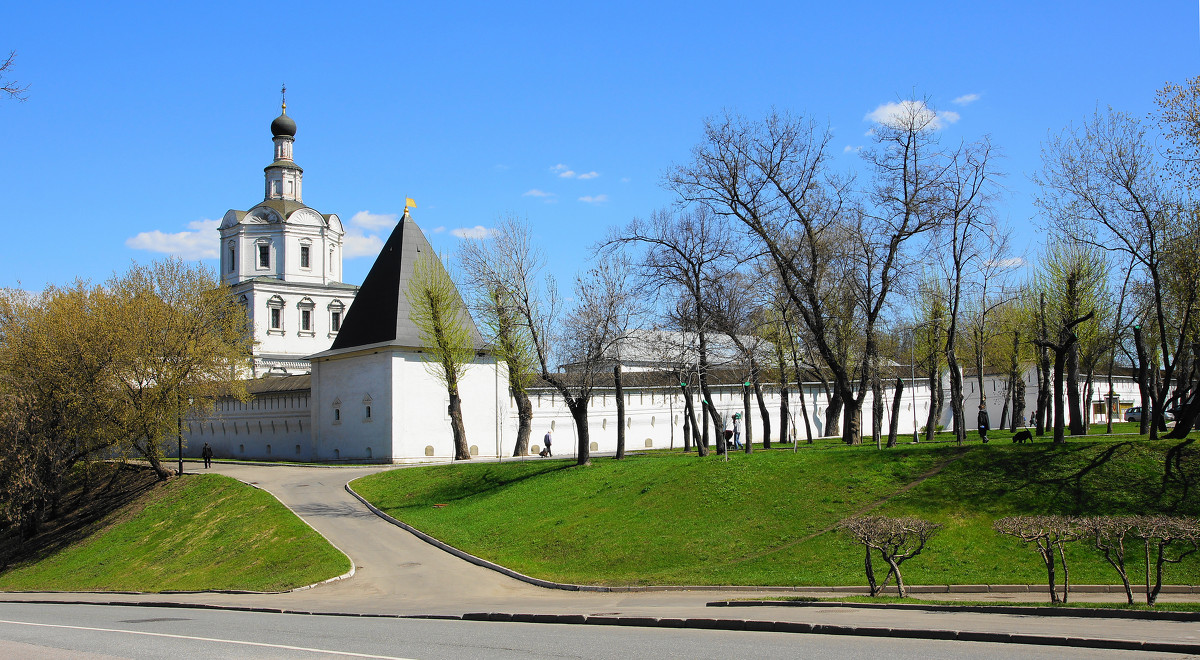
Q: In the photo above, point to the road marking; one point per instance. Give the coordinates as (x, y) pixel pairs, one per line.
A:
(205, 639)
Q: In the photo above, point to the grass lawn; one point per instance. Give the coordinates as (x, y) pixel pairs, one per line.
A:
(1161, 606)
(767, 519)
(191, 533)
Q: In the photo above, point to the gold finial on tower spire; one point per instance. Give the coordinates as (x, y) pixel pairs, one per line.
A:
(283, 96)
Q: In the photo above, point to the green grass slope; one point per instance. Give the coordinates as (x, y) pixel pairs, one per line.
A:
(192, 533)
(768, 518)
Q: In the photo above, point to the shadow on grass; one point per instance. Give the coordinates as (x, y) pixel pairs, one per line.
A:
(1079, 478)
(84, 507)
(386, 489)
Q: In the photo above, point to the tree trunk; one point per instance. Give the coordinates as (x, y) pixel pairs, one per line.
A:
(896, 401)
(619, 392)
(784, 411)
(877, 403)
(804, 412)
(1018, 383)
(1142, 380)
(524, 419)
(833, 414)
(690, 409)
(1072, 373)
(852, 419)
(461, 451)
(579, 413)
(1042, 414)
(748, 440)
(1060, 359)
(763, 413)
(936, 400)
(956, 398)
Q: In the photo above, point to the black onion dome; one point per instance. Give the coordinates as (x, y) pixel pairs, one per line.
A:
(283, 125)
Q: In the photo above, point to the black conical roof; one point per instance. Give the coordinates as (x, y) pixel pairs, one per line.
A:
(380, 311)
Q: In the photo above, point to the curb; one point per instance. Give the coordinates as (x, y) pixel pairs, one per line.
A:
(346, 575)
(472, 558)
(828, 629)
(1027, 610)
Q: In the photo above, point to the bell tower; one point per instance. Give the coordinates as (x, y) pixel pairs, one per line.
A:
(283, 175)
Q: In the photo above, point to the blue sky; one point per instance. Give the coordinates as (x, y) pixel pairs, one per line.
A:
(154, 117)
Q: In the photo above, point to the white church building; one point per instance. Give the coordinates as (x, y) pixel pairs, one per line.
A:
(283, 261)
(339, 374)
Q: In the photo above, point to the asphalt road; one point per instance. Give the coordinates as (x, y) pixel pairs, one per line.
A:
(62, 632)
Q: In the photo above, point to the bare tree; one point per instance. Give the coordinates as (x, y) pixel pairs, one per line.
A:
(1050, 535)
(1108, 534)
(13, 88)
(1160, 536)
(895, 539)
(1103, 184)
(968, 239)
(685, 255)
(596, 324)
(494, 302)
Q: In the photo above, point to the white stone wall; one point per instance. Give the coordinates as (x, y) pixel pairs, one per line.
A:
(272, 426)
(342, 391)
(409, 421)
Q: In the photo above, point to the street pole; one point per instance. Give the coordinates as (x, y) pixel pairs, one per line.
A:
(179, 437)
(912, 365)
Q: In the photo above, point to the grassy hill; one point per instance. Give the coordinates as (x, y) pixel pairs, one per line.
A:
(191, 533)
(768, 518)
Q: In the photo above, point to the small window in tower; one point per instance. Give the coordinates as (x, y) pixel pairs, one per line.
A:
(336, 321)
(264, 256)
(305, 319)
(304, 256)
(368, 412)
(276, 319)
(232, 259)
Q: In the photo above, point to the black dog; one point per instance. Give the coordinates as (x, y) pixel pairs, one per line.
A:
(1023, 436)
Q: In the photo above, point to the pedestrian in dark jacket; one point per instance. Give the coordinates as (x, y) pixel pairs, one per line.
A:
(207, 454)
(985, 422)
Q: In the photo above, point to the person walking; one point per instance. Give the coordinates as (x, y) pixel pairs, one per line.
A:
(737, 430)
(207, 454)
(547, 441)
(984, 421)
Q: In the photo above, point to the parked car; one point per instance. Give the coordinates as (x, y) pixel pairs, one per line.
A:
(1134, 414)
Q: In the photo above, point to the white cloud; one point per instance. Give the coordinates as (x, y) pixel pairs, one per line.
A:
(624, 179)
(478, 231)
(597, 199)
(438, 230)
(899, 114)
(851, 150)
(966, 99)
(1011, 262)
(199, 243)
(357, 244)
(536, 193)
(374, 221)
(589, 175)
(566, 174)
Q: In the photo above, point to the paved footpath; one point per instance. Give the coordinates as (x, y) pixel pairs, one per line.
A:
(396, 573)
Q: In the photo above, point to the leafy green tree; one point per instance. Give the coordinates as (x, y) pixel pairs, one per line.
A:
(445, 330)
(89, 372)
